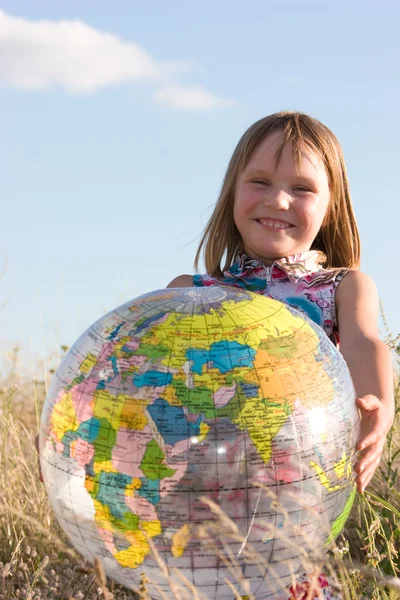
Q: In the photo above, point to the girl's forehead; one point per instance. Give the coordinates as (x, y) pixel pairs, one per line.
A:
(273, 152)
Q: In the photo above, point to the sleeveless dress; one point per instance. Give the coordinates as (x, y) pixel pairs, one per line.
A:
(299, 281)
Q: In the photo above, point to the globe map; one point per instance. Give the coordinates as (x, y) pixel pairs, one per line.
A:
(189, 393)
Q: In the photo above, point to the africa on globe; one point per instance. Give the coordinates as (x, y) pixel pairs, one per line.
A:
(189, 393)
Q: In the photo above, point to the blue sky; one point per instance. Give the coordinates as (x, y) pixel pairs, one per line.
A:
(118, 120)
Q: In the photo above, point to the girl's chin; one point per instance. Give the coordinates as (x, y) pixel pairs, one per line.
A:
(274, 251)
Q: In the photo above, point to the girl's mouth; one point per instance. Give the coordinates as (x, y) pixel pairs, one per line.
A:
(274, 223)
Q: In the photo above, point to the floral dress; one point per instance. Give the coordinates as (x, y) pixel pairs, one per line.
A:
(301, 282)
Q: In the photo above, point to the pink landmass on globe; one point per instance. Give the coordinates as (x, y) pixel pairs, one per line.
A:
(141, 507)
(178, 448)
(82, 451)
(132, 345)
(82, 395)
(168, 483)
(224, 394)
(107, 537)
(129, 450)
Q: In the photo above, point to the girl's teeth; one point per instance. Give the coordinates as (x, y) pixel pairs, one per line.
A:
(274, 224)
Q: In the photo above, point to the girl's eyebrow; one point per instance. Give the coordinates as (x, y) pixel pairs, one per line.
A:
(259, 173)
(297, 177)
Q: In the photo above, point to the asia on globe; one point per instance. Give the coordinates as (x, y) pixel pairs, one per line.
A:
(186, 394)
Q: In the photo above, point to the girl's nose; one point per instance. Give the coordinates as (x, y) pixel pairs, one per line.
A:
(277, 199)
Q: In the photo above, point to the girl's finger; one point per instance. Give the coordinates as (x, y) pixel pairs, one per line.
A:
(369, 402)
(378, 437)
(360, 483)
(374, 458)
(368, 475)
(372, 438)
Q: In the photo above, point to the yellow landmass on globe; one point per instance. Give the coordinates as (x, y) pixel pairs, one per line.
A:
(340, 470)
(131, 487)
(262, 424)
(117, 349)
(180, 540)
(106, 466)
(213, 379)
(133, 415)
(107, 406)
(169, 394)
(63, 418)
(324, 478)
(246, 323)
(204, 429)
(340, 466)
(103, 516)
(205, 329)
(88, 363)
(89, 484)
(152, 528)
(134, 556)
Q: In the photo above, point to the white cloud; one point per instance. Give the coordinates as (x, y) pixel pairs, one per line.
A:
(35, 55)
(193, 97)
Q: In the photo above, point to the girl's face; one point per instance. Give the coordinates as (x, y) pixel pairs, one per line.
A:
(279, 210)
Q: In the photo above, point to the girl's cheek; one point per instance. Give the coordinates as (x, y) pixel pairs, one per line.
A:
(251, 198)
(312, 206)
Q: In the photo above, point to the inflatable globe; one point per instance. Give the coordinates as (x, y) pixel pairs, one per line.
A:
(187, 402)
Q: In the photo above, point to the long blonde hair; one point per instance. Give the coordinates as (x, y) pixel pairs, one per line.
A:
(338, 239)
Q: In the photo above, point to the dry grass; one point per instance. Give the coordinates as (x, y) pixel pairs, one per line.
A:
(36, 562)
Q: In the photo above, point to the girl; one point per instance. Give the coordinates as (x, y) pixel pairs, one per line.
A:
(284, 226)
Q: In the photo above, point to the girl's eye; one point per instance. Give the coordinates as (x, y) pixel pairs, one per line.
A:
(260, 182)
(301, 188)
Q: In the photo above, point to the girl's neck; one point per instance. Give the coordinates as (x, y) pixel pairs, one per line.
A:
(270, 260)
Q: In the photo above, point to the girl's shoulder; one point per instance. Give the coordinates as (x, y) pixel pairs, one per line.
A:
(181, 281)
(357, 304)
(356, 284)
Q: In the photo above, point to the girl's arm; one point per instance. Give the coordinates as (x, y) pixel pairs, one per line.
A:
(370, 365)
(181, 281)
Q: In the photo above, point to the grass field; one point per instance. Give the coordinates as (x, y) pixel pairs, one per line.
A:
(35, 561)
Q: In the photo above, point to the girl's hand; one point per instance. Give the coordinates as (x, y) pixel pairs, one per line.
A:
(375, 424)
